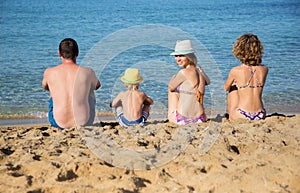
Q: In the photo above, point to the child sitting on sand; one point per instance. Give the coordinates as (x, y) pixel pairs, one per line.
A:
(132, 106)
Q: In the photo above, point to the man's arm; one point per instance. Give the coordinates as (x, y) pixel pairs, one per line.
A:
(95, 80)
(44, 81)
(98, 85)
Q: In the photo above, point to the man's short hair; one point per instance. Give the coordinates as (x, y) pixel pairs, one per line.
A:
(68, 48)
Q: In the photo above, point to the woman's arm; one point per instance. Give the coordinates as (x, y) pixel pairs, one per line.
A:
(176, 81)
(206, 78)
(229, 80)
(202, 84)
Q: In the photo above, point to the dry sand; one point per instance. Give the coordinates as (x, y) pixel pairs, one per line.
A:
(214, 157)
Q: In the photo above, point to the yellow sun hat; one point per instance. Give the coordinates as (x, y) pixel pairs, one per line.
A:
(131, 76)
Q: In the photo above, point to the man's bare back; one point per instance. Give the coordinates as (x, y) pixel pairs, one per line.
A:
(71, 87)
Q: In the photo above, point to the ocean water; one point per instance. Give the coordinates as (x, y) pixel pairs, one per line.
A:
(117, 34)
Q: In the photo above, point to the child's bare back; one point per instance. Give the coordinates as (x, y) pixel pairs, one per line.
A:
(132, 106)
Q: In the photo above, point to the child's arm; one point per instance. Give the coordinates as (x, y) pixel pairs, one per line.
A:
(116, 100)
(147, 100)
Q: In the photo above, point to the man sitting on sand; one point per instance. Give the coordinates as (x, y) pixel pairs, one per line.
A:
(132, 106)
(72, 100)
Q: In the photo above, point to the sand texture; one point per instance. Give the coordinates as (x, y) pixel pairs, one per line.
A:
(214, 157)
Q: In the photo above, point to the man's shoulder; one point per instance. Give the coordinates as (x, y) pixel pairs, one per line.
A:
(51, 69)
(86, 69)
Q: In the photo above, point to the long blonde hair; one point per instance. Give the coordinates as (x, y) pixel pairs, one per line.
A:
(192, 59)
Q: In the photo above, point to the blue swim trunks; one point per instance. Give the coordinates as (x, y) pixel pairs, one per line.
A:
(125, 123)
(53, 123)
(50, 116)
(92, 104)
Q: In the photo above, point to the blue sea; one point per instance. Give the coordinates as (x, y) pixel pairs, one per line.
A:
(116, 34)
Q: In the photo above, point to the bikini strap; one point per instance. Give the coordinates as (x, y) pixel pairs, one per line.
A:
(251, 77)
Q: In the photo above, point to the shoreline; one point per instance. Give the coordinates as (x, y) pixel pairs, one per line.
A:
(30, 121)
(161, 113)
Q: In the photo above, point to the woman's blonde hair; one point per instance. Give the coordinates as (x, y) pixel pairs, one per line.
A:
(248, 49)
(192, 59)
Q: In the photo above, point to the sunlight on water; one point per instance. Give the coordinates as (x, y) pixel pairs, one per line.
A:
(30, 34)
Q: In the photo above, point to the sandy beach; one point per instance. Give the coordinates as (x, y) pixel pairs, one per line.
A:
(214, 157)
